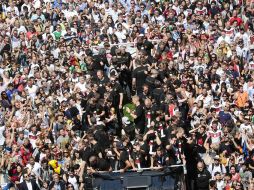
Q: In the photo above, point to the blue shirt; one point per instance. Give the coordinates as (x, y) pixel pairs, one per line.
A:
(57, 4)
(224, 117)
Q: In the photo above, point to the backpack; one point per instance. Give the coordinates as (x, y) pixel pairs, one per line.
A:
(220, 167)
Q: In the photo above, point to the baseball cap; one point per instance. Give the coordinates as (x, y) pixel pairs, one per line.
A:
(217, 157)
(119, 145)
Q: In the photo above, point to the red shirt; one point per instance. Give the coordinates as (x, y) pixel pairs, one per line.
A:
(237, 19)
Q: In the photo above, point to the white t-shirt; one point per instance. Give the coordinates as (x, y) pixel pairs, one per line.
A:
(159, 19)
(35, 169)
(215, 136)
(82, 87)
(206, 100)
(2, 138)
(32, 90)
(121, 35)
(247, 128)
(220, 184)
(73, 181)
(219, 168)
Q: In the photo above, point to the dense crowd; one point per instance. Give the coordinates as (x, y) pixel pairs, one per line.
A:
(93, 86)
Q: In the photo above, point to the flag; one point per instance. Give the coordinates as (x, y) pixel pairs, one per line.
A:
(245, 150)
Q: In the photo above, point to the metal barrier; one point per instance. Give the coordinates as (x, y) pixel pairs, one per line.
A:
(170, 178)
(130, 46)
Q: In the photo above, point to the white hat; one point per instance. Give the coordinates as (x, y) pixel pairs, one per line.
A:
(217, 157)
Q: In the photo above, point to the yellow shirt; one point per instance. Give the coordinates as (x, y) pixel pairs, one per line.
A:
(242, 98)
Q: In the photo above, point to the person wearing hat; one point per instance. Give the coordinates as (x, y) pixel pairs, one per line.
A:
(216, 166)
(216, 104)
(123, 154)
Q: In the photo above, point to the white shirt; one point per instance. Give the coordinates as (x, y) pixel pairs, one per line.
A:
(159, 19)
(121, 35)
(199, 11)
(224, 38)
(213, 169)
(114, 15)
(242, 51)
(247, 128)
(9, 9)
(206, 100)
(35, 168)
(32, 90)
(245, 37)
(82, 87)
(73, 181)
(215, 136)
(2, 138)
(69, 14)
(36, 4)
(29, 185)
(28, 7)
(220, 184)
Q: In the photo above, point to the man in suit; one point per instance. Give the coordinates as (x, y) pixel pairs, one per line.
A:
(28, 183)
(57, 184)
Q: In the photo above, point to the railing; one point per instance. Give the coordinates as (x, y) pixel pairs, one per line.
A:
(171, 178)
(130, 46)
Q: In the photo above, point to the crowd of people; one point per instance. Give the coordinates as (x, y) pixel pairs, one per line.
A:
(93, 86)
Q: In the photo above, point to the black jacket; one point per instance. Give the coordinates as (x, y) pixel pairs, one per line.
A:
(202, 180)
(23, 185)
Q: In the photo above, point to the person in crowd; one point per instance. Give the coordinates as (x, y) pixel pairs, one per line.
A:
(92, 87)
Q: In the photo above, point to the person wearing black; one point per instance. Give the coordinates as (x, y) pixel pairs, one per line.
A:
(145, 94)
(91, 110)
(125, 61)
(143, 43)
(139, 76)
(202, 178)
(6, 47)
(116, 95)
(101, 81)
(138, 115)
(151, 80)
(28, 184)
(200, 137)
(121, 152)
(100, 60)
(128, 128)
(98, 165)
(73, 111)
(85, 151)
